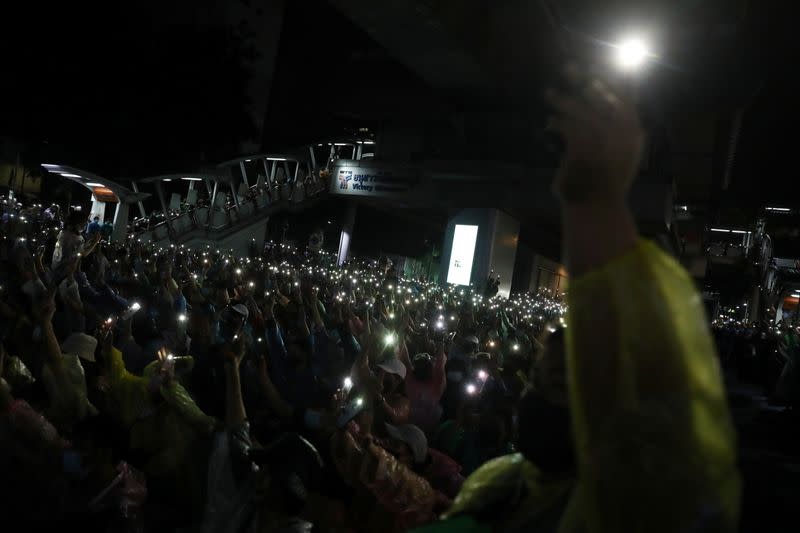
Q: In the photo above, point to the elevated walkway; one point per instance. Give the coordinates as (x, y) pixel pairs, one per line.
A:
(228, 205)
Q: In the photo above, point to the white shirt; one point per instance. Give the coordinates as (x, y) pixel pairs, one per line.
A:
(67, 245)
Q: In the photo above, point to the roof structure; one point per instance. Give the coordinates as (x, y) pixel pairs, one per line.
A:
(103, 189)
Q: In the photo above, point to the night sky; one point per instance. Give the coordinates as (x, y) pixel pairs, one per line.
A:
(116, 90)
(141, 89)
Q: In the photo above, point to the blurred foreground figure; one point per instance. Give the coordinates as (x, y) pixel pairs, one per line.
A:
(653, 439)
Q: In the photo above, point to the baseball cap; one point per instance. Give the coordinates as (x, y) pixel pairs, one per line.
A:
(413, 436)
(422, 356)
(241, 309)
(81, 345)
(394, 366)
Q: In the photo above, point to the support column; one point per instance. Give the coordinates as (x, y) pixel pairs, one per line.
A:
(294, 180)
(347, 232)
(160, 191)
(120, 223)
(272, 175)
(235, 196)
(141, 205)
(244, 173)
(212, 206)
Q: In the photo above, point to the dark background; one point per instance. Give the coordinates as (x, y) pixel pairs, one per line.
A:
(128, 90)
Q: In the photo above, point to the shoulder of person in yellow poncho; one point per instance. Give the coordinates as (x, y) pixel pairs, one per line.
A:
(510, 492)
(654, 438)
(69, 402)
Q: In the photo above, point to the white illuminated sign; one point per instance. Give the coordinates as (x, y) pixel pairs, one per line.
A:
(462, 253)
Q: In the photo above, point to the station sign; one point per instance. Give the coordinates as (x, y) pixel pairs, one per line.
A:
(356, 180)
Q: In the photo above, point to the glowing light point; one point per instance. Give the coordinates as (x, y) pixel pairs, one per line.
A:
(631, 54)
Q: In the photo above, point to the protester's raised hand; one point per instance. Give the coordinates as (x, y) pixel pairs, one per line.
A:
(166, 370)
(269, 306)
(235, 351)
(105, 338)
(604, 140)
(40, 253)
(45, 307)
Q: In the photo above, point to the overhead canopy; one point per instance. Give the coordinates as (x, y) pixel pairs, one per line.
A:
(257, 157)
(103, 189)
(212, 175)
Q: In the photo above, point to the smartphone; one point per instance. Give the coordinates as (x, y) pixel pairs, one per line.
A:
(108, 325)
(134, 307)
(351, 410)
(169, 363)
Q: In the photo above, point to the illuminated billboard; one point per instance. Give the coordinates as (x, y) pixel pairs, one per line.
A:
(462, 254)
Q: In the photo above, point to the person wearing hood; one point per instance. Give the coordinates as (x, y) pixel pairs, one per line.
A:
(410, 445)
(425, 385)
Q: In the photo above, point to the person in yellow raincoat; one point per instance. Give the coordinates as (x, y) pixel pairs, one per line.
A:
(165, 424)
(654, 443)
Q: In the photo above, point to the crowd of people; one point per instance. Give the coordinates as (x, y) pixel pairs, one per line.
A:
(320, 341)
(167, 389)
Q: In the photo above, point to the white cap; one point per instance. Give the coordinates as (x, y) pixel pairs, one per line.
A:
(394, 366)
(81, 345)
(413, 436)
(241, 309)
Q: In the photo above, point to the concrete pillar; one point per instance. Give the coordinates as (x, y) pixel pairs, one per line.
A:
(477, 241)
(160, 191)
(347, 232)
(120, 223)
(141, 205)
(244, 174)
(212, 205)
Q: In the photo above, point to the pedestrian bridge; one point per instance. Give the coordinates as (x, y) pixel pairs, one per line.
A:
(227, 205)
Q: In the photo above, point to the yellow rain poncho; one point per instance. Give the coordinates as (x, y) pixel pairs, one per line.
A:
(69, 402)
(654, 439)
(513, 494)
(171, 432)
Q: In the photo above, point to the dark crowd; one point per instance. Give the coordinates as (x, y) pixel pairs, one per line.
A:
(157, 389)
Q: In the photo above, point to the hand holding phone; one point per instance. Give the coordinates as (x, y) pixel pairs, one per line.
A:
(350, 411)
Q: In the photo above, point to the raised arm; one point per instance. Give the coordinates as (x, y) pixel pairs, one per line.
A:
(302, 323)
(654, 439)
(90, 245)
(274, 399)
(313, 304)
(44, 310)
(235, 414)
